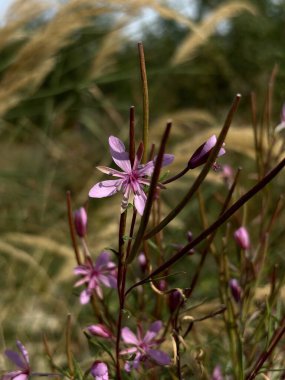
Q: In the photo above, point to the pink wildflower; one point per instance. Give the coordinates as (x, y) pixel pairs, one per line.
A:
(99, 370)
(201, 155)
(102, 272)
(142, 347)
(131, 179)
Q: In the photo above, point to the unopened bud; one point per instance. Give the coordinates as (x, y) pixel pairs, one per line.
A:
(99, 370)
(235, 289)
(201, 155)
(80, 221)
(174, 300)
(99, 330)
(242, 238)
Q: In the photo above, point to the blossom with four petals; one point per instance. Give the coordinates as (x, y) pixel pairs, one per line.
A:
(102, 272)
(131, 180)
(142, 347)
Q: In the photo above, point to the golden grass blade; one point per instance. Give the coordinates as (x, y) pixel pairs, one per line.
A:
(35, 58)
(207, 27)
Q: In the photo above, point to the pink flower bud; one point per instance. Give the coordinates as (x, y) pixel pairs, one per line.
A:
(142, 262)
(235, 289)
(99, 370)
(100, 330)
(242, 238)
(80, 221)
(201, 155)
(162, 285)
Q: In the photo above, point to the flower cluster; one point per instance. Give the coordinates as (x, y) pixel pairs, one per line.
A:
(102, 272)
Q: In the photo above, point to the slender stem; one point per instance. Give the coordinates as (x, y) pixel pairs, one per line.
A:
(132, 147)
(202, 174)
(145, 100)
(121, 288)
(266, 353)
(151, 194)
(221, 220)
(175, 177)
(68, 346)
(71, 227)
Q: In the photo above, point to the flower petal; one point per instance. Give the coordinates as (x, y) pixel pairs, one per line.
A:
(152, 332)
(105, 188)
(130, 350)
(21, 376)
(108, 280)
(129, 337)
(159, 357)
(110, 171)
(139, 202)
(119, 154)
(15, 358)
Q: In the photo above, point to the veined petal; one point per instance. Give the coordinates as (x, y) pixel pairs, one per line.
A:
(110, 171)
(139, 202)
(119, 154)
(129, 337)
(105, 188)
(126, 196)
(159, 357)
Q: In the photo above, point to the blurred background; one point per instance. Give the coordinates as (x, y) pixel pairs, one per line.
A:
(69, 71)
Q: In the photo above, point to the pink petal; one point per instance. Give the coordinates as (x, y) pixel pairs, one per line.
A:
(139, 202)
(108, 280)
(24, 352)
(152, 332)
(146, 169)
(15, 358)
(81, 270)
(105, 188)
(119, 154)
(159, 357)
(21, 377)
(129, 337)
(100, 330)
(167, 159)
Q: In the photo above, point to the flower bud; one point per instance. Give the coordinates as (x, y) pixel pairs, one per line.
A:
(99, 370)
(201, 155)
(99, 330)
(162, 285)
(235, 289)
(242, 238)
(142, 262)
(174, 300)
(80, 221)
(217, 373)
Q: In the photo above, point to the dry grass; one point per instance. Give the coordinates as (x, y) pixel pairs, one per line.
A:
(207, 27)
